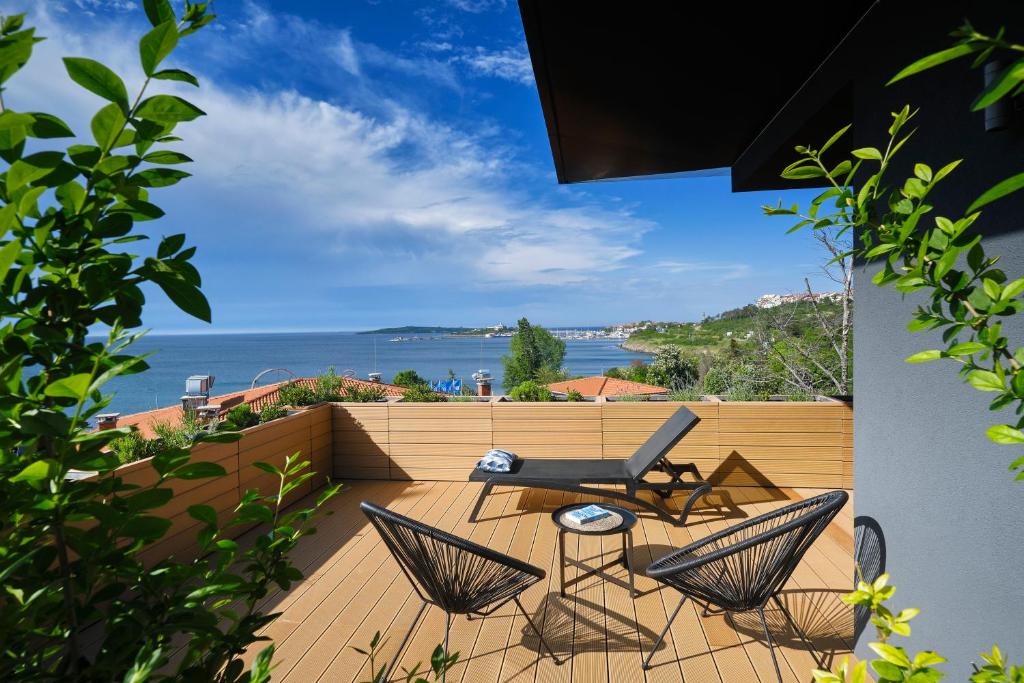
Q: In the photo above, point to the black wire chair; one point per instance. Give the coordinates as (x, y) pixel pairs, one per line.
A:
(744, 567)
(452, 573)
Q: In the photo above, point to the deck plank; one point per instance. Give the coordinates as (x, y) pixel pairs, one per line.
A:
(353, 587)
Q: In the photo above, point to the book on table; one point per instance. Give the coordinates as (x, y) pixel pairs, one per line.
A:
(591, 513)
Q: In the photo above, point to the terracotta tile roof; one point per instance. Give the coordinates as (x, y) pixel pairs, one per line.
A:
(258, 398)
(606, 386)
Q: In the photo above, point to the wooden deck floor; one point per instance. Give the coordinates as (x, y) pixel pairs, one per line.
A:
(354, 588)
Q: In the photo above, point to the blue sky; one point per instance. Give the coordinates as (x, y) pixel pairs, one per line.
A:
(374, 163)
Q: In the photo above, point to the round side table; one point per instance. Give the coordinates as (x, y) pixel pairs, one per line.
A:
(620, 521)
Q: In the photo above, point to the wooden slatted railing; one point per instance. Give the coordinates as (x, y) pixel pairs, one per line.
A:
(740, 444)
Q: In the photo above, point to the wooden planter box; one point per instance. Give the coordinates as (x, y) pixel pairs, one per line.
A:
(308, 432)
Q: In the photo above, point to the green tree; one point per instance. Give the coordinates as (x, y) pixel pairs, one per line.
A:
(532, 351)
(530, 391)
(408, 378)
(672, 368)
(78, 602)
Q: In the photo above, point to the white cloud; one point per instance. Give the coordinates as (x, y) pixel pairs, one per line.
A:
(345, 51)
(478, 6)
(511, 64)
(332, 179)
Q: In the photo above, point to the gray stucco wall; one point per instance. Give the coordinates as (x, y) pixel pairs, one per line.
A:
(950, 511)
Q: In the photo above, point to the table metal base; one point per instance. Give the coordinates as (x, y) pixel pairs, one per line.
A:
(627, 552)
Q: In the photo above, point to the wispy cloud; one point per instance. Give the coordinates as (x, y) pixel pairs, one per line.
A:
(330, 181)
(511, 64)
(478, 6)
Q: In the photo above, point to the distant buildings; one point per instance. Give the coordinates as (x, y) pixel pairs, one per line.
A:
(773, 300)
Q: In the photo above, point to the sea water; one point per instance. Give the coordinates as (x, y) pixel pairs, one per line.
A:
(236, 359)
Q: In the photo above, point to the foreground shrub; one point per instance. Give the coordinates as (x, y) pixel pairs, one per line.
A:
(272, 412)
(79, 602)
(530, 391)
(357, 393)
(573, 396)
(421, 393)
(296, 394)
(240, 417)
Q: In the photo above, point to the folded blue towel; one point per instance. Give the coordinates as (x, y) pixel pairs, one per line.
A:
(496, 460)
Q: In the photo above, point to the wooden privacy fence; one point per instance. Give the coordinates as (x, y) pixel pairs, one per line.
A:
(308, 432)
(740, 444)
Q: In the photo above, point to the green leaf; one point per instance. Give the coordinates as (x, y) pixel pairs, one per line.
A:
(158, 11)
(156, 45)
(185, 295)
(966, 349)
(891, 653)
(867, 153)
(1001, 86)
(38, 471)
(160, 177)
(165, 462)
(107, 125)
(47, 126)
(983, 380)
(803, 173)
(1004, 434)
(199, 470)
(832, 140)
(32, 168)
(176, 75)
(166, 157)
(148, 499)
(923, 172)
(8, 255)
(998, 191)
(933, 60)
(925, 356)
(147, 527)
(74, 386)
(170, 245)
(168, 109)
(203, 513)
(992, 288)
(97, 79)
(1012, 289)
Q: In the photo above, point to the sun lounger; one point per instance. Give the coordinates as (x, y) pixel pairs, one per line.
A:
(573, 475)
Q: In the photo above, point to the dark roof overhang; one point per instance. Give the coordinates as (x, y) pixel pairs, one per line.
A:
(651, 88)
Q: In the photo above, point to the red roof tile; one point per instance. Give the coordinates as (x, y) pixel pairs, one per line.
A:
(257, 398)
(606, 386)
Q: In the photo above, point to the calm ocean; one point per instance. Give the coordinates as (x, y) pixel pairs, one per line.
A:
(235, 359)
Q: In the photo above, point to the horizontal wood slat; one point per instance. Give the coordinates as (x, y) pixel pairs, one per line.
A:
(749, 444)
(308, 432)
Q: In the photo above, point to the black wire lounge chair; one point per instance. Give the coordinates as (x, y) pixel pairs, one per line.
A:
(745, 566)
(452, 573)
(571, 474)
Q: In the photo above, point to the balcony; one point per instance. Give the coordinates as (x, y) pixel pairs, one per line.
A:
(415, 458)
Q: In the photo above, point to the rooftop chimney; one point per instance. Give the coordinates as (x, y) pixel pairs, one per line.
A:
(197, 392)
(374, 377)
(483, 382)
(107, 420)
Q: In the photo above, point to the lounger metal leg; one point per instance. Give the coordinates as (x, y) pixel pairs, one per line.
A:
(657, 643)
(536, 630)
(405, 641)
(820, 661)
(480, 501)
(768, 637)
(697, 493)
